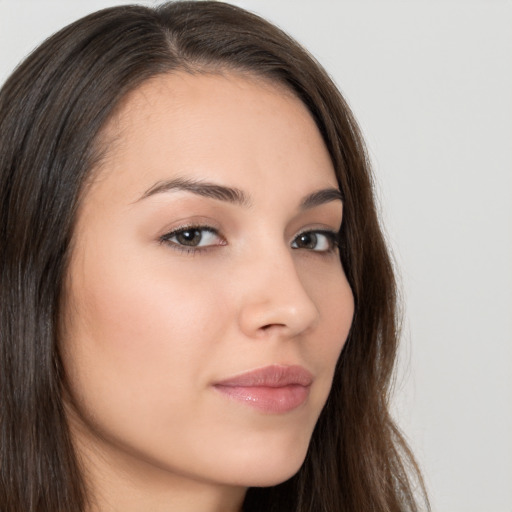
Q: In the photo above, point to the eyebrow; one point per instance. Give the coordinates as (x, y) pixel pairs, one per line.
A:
(320, 197)
(234, 195)
(200, 188)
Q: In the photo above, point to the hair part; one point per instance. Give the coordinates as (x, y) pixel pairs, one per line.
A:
(52, 111)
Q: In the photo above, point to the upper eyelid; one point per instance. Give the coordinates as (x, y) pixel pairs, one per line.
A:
(324, 231)
(191, 225)
(328, 231)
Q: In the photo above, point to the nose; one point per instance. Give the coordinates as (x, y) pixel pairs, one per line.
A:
(275, 301)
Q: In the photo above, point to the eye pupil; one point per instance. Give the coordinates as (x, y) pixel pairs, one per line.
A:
(307, 240)
(190, 237)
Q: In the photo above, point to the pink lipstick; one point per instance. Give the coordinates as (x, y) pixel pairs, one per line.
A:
(273, 389)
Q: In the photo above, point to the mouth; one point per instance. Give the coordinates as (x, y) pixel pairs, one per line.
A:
(274, 389)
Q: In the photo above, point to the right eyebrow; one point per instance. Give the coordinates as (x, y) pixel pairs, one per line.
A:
(200, 188)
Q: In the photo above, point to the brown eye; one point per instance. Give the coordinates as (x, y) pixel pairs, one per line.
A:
(319, 241)
(306, 241)
(193, 237)
(190, 237)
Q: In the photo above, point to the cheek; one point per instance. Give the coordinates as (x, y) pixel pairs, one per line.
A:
(331, 292)
(137, 351)
(338, 313)
(135, 335)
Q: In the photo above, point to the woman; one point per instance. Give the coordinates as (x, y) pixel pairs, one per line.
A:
(198, 310)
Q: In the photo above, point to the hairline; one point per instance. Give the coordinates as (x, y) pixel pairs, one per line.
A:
(110, 134)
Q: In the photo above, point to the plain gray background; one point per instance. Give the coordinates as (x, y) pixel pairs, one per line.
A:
(431, 84)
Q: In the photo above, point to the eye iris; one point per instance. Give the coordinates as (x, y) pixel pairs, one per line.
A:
(307, 241)
(189, 237)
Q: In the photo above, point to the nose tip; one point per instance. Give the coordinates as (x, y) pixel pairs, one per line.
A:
(267, 318)
(277, 303)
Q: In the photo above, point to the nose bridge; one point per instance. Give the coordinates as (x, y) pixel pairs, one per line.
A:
(275, 298)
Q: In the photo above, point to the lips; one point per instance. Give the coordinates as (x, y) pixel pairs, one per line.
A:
(274, 389)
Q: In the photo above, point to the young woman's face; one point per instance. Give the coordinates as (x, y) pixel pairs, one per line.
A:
(206, 305)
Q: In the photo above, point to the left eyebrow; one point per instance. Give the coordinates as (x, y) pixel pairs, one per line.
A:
(320, 197)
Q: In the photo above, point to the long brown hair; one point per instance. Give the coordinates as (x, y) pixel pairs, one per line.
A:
(52, 109)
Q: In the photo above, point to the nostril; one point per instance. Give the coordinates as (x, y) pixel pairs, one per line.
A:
(269, 326)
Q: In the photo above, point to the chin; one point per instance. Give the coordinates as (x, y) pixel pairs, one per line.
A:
(268, 467)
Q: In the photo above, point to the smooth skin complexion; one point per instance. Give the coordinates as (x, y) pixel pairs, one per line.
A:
(204, 249)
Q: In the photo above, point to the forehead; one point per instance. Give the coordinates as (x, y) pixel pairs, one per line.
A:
(226, 126)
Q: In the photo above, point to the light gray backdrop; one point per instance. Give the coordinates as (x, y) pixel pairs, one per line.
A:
(431, 84)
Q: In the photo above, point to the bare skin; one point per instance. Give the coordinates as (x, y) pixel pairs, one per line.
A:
(174, 287)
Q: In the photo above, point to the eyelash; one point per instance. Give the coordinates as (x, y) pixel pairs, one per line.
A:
(331, 236)
(166, 239)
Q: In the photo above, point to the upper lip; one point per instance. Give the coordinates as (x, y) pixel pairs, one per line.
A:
(273, 376)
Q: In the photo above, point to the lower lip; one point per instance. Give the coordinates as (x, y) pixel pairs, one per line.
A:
(273, 400)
